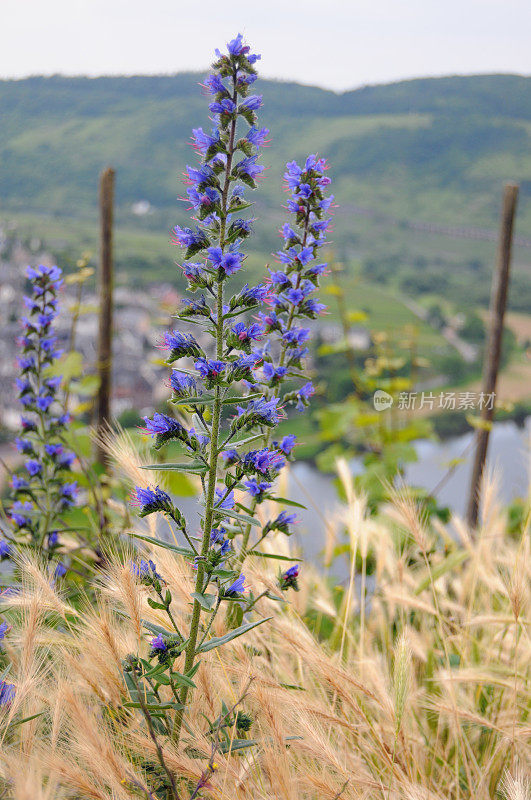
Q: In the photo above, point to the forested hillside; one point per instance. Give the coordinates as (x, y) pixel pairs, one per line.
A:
(427, 151)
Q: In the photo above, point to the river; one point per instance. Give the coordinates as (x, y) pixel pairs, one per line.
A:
(508, 459)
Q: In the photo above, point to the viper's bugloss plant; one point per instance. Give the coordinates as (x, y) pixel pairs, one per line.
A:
(239, 375)
(43, 491)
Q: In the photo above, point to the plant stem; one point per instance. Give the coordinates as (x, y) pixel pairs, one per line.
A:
(149, 723)
(214, 448)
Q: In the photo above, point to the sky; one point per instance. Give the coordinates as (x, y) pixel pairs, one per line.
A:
(337, 44)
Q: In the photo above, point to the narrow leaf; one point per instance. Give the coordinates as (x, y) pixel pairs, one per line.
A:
(217, 641)
(240, 517)
(197, 400)
(196, 467)
(287, 502)
(240, 399)
(183, 680)
(452, 561)
(272, 555)
(206, 601)
(182, 551)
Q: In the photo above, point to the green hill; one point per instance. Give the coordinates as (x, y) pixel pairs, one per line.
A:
(421, 151)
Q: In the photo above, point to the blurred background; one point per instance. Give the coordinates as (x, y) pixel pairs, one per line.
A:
(424, 113)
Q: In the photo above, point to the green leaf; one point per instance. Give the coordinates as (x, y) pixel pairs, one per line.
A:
(156, 629)
(26, 719)
(182, 551)
(272, 555)
(248, 440)
(287, 502)
(225, 574)
(191, 672)
(153, 604)
(240, 517)
(240, 399)
(293, 686)
(452, 561)
(217, 641)
(183, 680)
(237, 744)
(155, 671)
(240, 311)
(199, 400)
(196, 467)
(206, 601)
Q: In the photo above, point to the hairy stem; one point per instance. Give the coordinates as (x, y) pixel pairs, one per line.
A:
(191, 649)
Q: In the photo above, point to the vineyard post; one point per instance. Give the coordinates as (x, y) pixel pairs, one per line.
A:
(103, 398)
(498, 302)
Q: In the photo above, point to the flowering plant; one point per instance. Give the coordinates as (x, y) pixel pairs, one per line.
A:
(238, 377)
(43, 492)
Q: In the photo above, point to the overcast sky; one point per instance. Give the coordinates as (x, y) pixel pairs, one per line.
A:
(338, 44)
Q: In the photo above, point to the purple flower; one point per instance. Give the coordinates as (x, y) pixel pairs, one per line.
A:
(313, 308)
(287, 444)
(245, 333)
(288, 579)
(304, 394)
(248, 167)
(34, 467)
(226, 503)
(279, 278)
(305, 190)
(19, 483)
(5, 549)
(7, 693)
(225, 106)
(4, 627)
(146, 571)
(295, 296)
(180, 344)
(253, 294)
(274, 375)
(151, 500)
(264, 411)
(60, 570)
(210, 370)
(257, 489)
(236, 46)
(19, 513)
(235, 588)
(214, 85)
(53, 539)
(257, 137)
(66, 460)
(162, 424)
(229, 262)
(158, 644)
(263, 461)
(44, 403)
(23, 445)
(217, 535)
(187, 237)
(182, 383)
(252, 103)
(230, 457)
(202, 140)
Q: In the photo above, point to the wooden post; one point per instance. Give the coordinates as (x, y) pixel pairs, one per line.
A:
(103, 399)
(498, 302)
